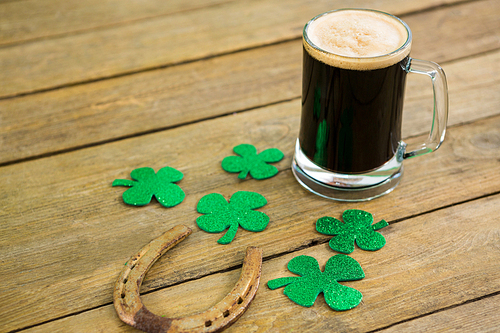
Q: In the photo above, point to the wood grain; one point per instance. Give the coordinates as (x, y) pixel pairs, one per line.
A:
(27, 20)
(481, 316)
(66, 232)
(84, 115)
(404, 279)
(57, 62)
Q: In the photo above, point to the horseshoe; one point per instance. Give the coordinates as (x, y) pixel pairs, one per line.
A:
(130, 309)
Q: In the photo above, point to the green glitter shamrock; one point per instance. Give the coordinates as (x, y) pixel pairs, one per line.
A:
(251, 162)
(147, 184)
(305, 289)
(221, 215)
(357, 227)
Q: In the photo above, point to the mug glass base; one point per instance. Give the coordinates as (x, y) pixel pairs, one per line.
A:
(347, 187)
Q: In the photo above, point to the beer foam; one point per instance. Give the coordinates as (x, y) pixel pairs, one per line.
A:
(357, 39)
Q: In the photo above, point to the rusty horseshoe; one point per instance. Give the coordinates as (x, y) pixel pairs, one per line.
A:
(130, 309)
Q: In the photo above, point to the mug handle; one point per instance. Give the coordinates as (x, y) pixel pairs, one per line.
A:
(440, 117)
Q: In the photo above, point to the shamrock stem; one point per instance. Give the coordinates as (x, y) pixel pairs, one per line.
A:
(280, 282)
(123, 182)
(243, 174)
(229, 235)
(380, 225)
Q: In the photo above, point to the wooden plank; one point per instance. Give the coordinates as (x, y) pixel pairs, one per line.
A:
(83, 115)
(26, 20)
(480, 316)
(57, 62)
(66, 232)
(403, 280)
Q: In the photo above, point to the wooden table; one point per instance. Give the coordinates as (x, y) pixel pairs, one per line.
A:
(91, 90)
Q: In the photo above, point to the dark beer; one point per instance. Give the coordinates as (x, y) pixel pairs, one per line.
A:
(351, 105)
(351, 119)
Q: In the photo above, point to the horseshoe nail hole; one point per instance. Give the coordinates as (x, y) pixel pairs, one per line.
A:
(208, 323)
(122, 295)
(240, 300)
(226, 313)
(125, 280)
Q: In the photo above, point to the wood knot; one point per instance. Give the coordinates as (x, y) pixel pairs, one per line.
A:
(487, 141)
(309, 314)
